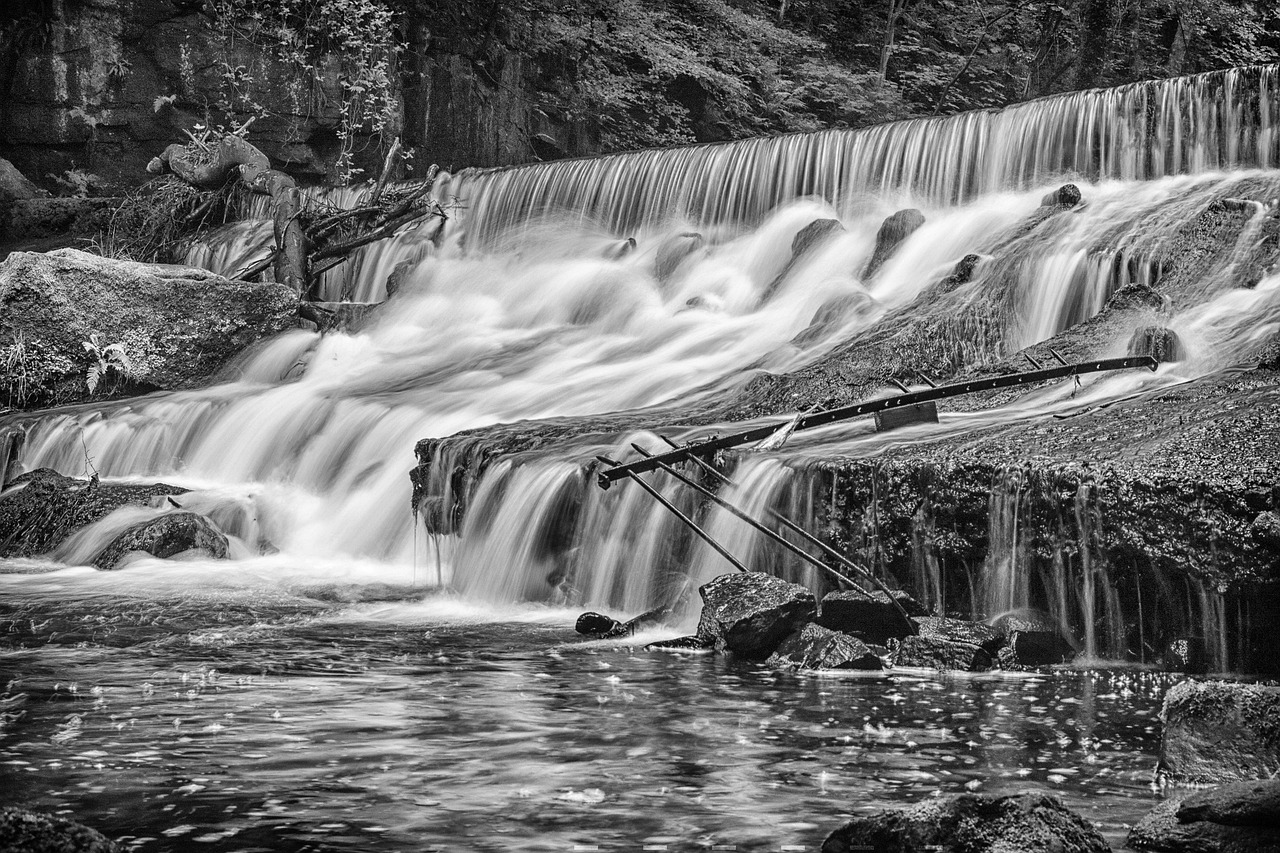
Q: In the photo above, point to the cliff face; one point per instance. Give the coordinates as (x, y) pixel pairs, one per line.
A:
(100, 86)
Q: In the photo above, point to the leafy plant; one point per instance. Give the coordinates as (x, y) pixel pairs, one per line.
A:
(104, 360)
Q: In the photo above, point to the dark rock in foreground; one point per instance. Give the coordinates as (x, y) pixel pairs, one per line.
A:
(1243, 817)
(815, 647)
(1217, 731)
(49, 507)
(872, 617)
(169, 534)
(1036, 648)
(751, 613)
(22, 831)
(973, 823)
(595, 624)
(606, 627)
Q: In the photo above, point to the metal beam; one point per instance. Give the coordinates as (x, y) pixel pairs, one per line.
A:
(607, 476)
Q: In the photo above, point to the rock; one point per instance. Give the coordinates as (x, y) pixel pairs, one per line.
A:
(177, 326)
(961, 631)
(973, 823)
(869, 616)
(49, 507)
(1135, 296)
(1243, 817)
(832, 313)
(962, 274)
(1185, 654)
(169, 534)
(14, 185)
(813, 236)
(596, 624)
(619, 250)
(1067, 195)
(1219, 731)
(750, 613)
(1023, 620)
(692, 642)
(940, 653)
(815, 647)
(673, 252)
(38, 218)
(893, 231)
(22, 831)
(1265, 529)
(1036, 648)
(1161, 343)
(1236, 804)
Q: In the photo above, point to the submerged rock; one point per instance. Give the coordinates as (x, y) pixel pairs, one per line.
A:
(940, 653)
(606, 627)
(973, 823)
(693, 642)
(1243, 817)
(872, 617)
(1067, 195)
(674, 251)
(1160, 343)
(1219, 731)
(47, 507)
(815, 647)
(596, 624)
(32, 832)
(751, 613)
(169, 534)
(893, 231)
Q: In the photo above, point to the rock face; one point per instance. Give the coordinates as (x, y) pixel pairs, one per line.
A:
(1218, 731)
(31, 832)
(815, 647)
(49, 507)
(1027, 823)
(171, 533)
(751, 613)
(175, 326)
(1243, 817)
(1067, 195)
(869, 616)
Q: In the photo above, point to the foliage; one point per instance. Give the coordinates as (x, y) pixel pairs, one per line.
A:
(352, 42)
(111, 358)
(155, 221)
(30, 370)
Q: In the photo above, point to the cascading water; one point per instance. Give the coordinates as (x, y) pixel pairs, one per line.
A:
(524, 309)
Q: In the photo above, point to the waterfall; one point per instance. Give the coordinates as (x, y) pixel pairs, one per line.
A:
(525, 307)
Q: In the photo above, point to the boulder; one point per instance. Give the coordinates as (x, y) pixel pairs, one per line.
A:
(961, 274)
(32, 832)
(171, 326)
(940, 653)
(164, 536)
(14, 185)
(1036, 648)
(751, 613)
(815, 647)
(693, 642)
(1160, 343)
(814, 235)
(1219, 731)
(973, 823)
(871, 617)
(1243, 817)
(1067, 195)
(47, 507)
(605, 627)
(893, 231)
(961, 631)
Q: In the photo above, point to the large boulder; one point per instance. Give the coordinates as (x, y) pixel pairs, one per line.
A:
(1036, 648)
(43, 508)
(937, 652)
(32, 832)
(815, 647)
(163, 537)
(1219, 731)
(960, 631)
(751, 613)
(1243, 817)
(171, 326)
(973, 823)
(872, 617)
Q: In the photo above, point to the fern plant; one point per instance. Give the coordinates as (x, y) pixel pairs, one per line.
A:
(103, 360)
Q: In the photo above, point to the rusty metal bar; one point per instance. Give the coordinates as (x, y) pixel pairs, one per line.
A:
(608, 475)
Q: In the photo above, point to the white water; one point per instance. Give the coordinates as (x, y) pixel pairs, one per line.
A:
(308, 452)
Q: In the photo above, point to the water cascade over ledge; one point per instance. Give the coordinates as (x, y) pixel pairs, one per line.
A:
(525, 309)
